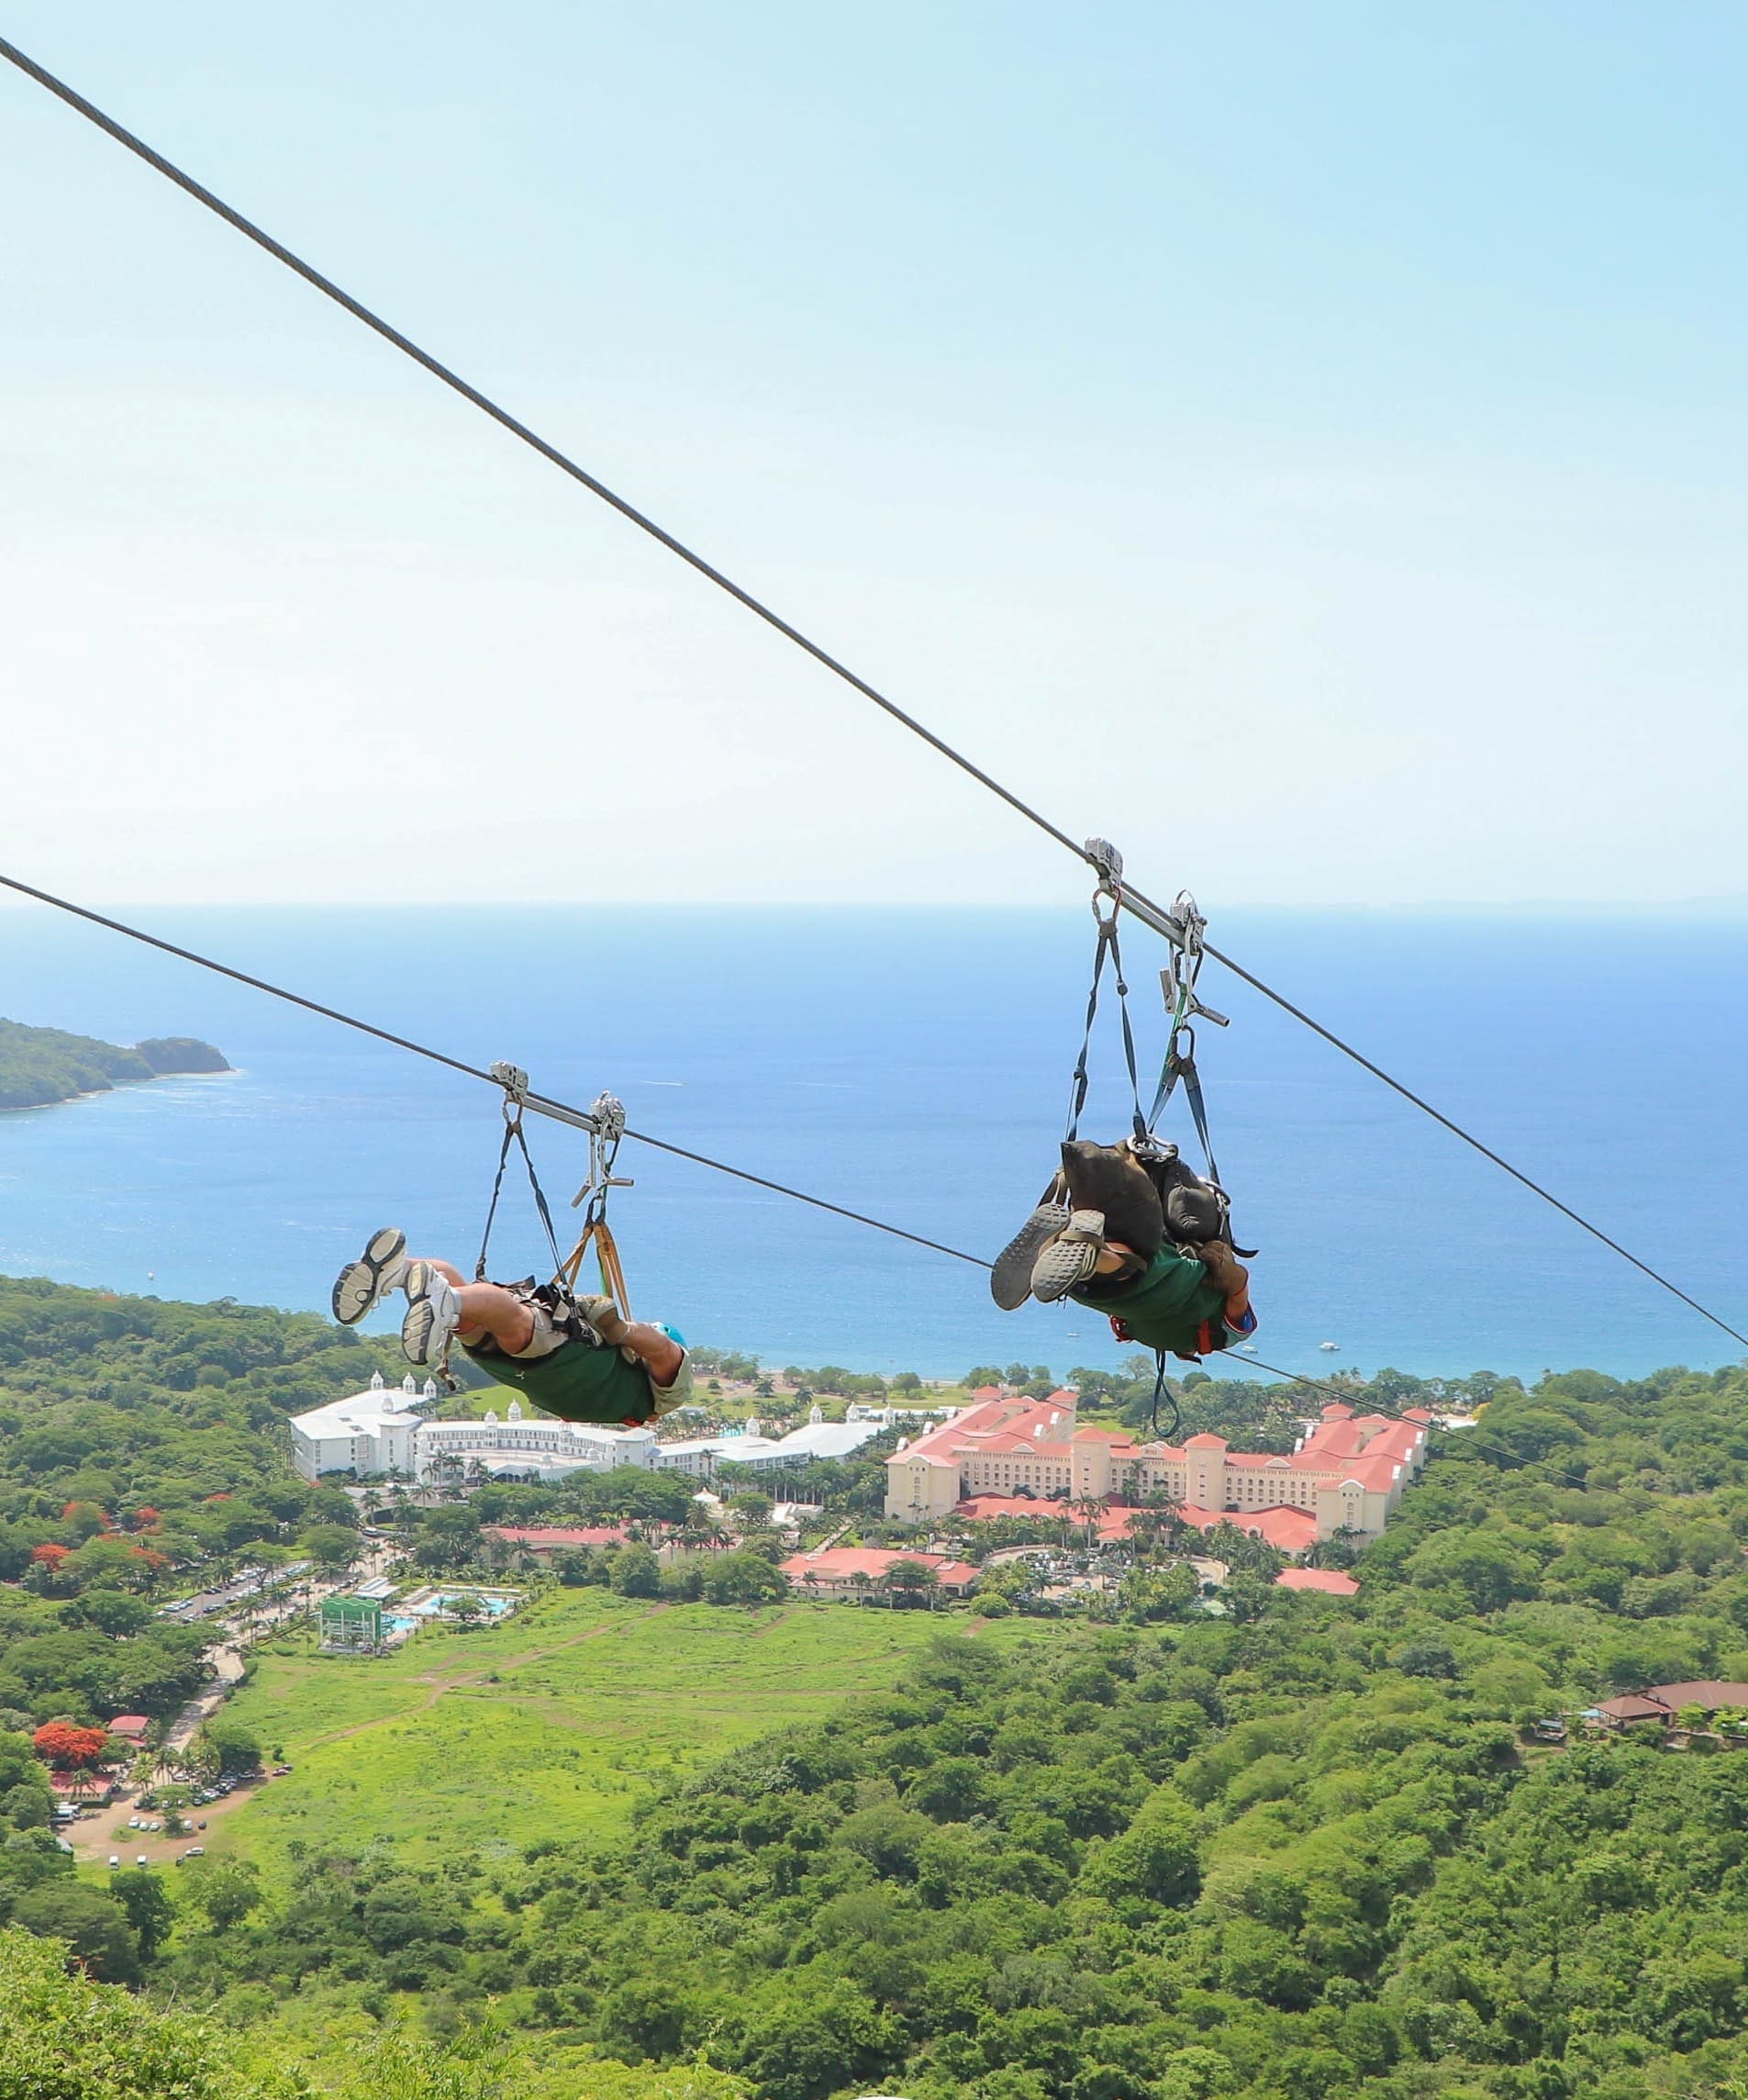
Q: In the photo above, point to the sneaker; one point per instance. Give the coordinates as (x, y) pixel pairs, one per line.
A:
(1070, 1258)
(433, 1314)
(606, 1318)
(1011, 1278)
(364, 1283)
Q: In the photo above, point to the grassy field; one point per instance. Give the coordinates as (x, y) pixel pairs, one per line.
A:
(551, 1725)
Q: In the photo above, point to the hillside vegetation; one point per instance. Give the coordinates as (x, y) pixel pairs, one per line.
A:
(41, 1065)
(1303, 1855)
(572, 1713)
(1308, 1848)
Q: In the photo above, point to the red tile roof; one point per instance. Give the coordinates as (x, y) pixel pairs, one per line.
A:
(869, 1563)
(128, 1725)
(1631, 1707)
(1287, 1530)
(1330, 1580)
(980, 1509)
(1712, 1692)
(550, 1537)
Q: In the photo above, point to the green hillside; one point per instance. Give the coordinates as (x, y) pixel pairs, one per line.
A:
(631, 1847)
(41, 1066)
(568, 1716)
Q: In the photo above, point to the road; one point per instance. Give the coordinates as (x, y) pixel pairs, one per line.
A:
(95, 1837)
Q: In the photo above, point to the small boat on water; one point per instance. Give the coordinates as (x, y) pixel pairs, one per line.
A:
(1329, 1345)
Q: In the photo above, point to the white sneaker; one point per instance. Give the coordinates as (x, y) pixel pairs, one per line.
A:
(364, 1283)
(433, 1314)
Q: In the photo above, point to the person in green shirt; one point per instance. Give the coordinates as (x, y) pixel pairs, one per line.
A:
(1189, 1305)
(580, 1360)
(1160, 1267)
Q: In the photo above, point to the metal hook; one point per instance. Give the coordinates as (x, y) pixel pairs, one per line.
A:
(513, 1082)
(606, 1112)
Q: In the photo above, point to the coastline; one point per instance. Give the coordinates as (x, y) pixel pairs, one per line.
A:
(99, 1093)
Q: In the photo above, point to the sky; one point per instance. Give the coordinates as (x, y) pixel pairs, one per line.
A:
(1304, 444)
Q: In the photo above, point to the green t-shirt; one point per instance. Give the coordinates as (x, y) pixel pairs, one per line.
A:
(1165, 1307)
(574, 1382)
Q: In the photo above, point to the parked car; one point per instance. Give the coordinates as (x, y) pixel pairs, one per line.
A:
(114, 1859)
(196, 1852)
(201, 1824)
(142, 1861)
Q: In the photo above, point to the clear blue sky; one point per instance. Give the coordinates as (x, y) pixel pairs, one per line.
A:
(1304, 443)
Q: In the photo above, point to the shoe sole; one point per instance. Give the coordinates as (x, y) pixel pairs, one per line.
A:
(1066, 1263)
(1011, 1274)
(420, 1327)
(417, 1330)
(359, 1286)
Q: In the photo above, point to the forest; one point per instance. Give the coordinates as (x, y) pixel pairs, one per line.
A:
(141, 1449)
(1317, 1847)
(41, 1066)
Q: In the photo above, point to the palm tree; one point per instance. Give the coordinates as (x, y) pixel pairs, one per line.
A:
(909, 1579)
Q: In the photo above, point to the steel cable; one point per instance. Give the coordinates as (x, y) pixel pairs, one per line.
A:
(539, 1104)
(1161, 917)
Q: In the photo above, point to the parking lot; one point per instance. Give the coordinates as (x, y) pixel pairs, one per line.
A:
(95, 1838)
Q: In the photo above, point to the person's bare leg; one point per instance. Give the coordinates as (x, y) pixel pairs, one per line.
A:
(488, 1309)
(659, 1353)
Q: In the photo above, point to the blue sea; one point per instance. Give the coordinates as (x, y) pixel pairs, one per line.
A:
(915, 1065)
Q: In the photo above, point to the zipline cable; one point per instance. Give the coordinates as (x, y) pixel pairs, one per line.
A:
(1152, 914)
(540, 1104)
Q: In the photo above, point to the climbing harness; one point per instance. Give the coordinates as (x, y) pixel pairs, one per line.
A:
(606, 1133)
(513, 1082)
(607, 1112)
(1195, 1209)
(1183, 1006)
(1163, 1391)
(1108, 865)
(1177, 983)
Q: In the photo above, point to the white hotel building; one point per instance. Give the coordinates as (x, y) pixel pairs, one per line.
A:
(380, 1431)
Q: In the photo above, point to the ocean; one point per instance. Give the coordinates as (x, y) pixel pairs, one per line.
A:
(915, 1065)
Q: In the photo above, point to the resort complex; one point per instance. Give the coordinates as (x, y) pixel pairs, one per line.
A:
(383, 1431)
(1347, 1473)
(1002, 1455)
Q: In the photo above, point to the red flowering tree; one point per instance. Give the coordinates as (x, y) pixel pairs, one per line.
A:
(87, 1519)
(146, 1518)
(70, 1748)
(49, 1555)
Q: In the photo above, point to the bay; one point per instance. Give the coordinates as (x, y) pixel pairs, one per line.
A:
(913, 1064)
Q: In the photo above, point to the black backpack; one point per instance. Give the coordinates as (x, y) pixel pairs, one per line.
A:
(1196, 1210)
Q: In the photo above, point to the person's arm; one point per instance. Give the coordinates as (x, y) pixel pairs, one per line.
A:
(1227, 1273)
